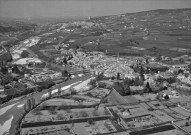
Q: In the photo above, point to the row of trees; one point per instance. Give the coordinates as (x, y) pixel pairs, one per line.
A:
(123, 89)
(25, 91)
(30, 104)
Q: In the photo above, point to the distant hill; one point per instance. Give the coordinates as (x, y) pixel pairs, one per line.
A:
(6, 29)
(155, 30)
(13, 26)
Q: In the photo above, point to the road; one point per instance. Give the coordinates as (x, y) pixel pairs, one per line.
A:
(4, 43)
(5, 50)
(17, 109)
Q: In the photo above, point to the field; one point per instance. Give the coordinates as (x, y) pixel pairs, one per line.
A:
(145, 97)
(130, 99)
(63, 110)
(181, 111)
(183, 125)
(142, 121)
(114, 98)
(101, 127)
(174, 114)
(154, 130)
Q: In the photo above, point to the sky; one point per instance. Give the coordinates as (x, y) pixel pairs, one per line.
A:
(66, 8)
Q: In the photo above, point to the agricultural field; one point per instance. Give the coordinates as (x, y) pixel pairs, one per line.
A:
(114, 98)
(185, 124)
(145, 97)
(161, 130)
(130, 99)
(97, 93)
(142, 121)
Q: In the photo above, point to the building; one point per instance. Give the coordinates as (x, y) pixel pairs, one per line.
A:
(175, 64)
(181, 66)
(136, 88)
(184, 79)
(2, 92)
(45, 76)
(165, 75)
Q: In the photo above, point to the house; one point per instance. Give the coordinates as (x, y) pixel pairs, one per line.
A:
(184, 79)
(134, 88)
(176, 64)
(181, 66)
(126, 112)
(147, 76)
(2, 92)
(180, 86)
(165, 75)
(170, 93)
(173, 70)
(45, 76)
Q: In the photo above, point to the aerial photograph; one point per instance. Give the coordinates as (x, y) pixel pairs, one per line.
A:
(95, 67)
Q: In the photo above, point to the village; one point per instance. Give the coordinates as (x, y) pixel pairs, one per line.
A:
(98, 76)
(140, 94)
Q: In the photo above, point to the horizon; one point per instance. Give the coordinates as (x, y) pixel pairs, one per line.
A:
(71, 17)
(82, 8)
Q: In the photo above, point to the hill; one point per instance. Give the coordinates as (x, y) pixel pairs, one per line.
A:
(161, 28)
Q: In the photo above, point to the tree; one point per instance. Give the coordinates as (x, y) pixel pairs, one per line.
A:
(127, 81)
(77, 47)
(91, 122)
(65, 73)
(148, 87)
(46, 85)
(166, 97)
(187, 124)
(147, 60)
(59, 91)
(25, 108)
(141, 74)
(24, 54)
(136, 81)
(33, 102)
(73, 91)
(65, 61)
(93, 82)
(16, 69)
(28, 104)
(181, 60)
(102, 85)
(180, 71)
(141, 81)
(126, 89)
(50, 93)
(100, 76)
(118, 76)
(146, 90)
(4, 70)
(171, 80)
(112, 78)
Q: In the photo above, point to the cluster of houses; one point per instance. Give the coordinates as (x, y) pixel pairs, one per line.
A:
(44, 76)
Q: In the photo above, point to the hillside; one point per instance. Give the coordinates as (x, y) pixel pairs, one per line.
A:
(166, 29)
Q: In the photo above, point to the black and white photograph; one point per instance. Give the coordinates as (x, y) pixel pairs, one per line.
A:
(95, 67)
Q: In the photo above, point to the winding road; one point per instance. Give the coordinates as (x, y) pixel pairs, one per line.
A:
(14, 110)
